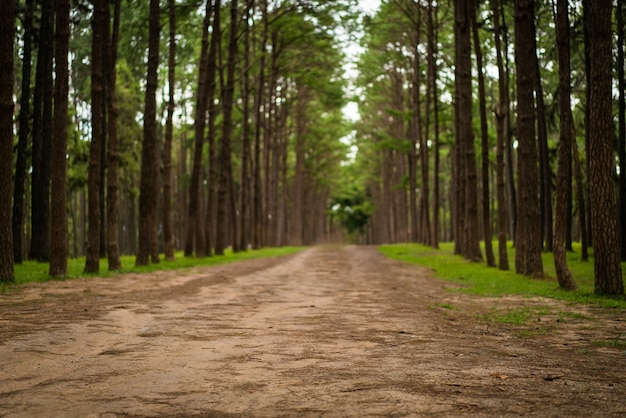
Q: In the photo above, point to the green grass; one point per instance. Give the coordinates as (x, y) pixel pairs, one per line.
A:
(479, 279)
(619, 342)
(31, 271)
(518, 316)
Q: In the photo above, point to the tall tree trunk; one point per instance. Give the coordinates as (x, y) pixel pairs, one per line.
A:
(92, 261)
(545, 172)
(508, 146)
(148, 189)
(24, 131)
(58, 229)
(424, 154)
(112, 184)
(564, 172)
(257, 212)
(106, 40)
(195, 234)
(501, 112)
(621, 137)
(587, 55)
(607, 267)
(244, 217)
(168, 235)
(297, 227)
(225, 179)
(528, 236)
(484, 135)
(470, 246)
(7, 22)
(432, 82)
(42, 132)
(211, 218)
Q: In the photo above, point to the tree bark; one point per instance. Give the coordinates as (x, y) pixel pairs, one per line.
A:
(225, 189)
(7, 22)
(545, 172)
(24, 132)
(112, 196)
(58, 229)
(92, 261)
(244, 217)
(528, 236)
(432, 82)
(257, 210)
(621, 136)
(470, 246)
(210, 223)
(148, 189)
(607, 267)
(501, 111)
(168, 235)
(566, 136)
(42, 136)
(491, 262)
(195, 234)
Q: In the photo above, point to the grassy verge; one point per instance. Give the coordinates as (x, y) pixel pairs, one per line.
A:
(479, 279)
(32, 271)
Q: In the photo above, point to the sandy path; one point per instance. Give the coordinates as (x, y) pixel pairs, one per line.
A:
(336, 331)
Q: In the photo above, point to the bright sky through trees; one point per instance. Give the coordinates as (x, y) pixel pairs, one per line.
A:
(353, 50)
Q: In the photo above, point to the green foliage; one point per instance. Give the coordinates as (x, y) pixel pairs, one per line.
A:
(32, 271)
(479, 279)
(351, 210)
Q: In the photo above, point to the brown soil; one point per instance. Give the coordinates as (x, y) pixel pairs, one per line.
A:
(331, 331)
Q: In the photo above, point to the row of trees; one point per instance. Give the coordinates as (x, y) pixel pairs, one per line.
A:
(229, 139)
(479, 116)
(236, 137)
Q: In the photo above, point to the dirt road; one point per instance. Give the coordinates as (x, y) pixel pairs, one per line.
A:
(332, 331)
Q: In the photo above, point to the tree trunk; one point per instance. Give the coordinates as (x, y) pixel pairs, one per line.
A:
(607, 267)
(528, 236)
(545, 172)
(566, 137)
(470, 246)
(257, 210)
(225, 178)
(491, 262)
(148, 189)
(621, 137)
(7, 22)
(92, 261)
(210, 222)
(112, 196)
(42, 132)
(24, 131)
(432, 82)
(168, 235)
(297, 227)
(508, 146)
(587, 55)
(106, 41)
(58, 229)
(501, 112)
(244, 217)
(195, 234)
